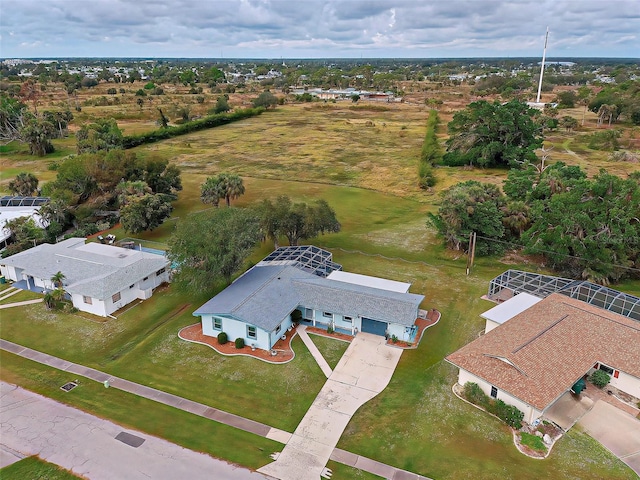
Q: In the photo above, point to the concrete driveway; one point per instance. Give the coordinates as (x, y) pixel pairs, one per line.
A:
(96, 448)
(568, 409)
(616, 430)
(363, 372)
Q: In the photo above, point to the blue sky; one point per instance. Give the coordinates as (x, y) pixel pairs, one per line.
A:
(318, 28)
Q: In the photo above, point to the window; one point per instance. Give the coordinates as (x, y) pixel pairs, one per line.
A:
(348, 319)
(217, 323)
(327, 314)
(251, 332)
(604, 368)
(161, 271)
(132, 285)
(145, 279)
(278, 328)
(115, 297)
(87, 300)
(494, 392)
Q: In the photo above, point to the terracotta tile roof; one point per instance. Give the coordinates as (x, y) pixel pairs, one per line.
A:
(540, 353)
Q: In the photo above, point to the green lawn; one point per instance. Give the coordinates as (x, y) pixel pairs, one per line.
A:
(21, 296)
(35, 468)
(142, 346)
(330, 348)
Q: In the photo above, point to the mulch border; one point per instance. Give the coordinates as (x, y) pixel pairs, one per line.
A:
(523, 449)
(285, 353)
(423, 324)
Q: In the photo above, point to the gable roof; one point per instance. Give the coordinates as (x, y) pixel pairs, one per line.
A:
(267, 293)
(91, 269)
(540, 353)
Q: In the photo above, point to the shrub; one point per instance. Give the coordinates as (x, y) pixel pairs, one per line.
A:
(330, 329)
(222, 338)
(394, 338)
(296, 315)
(239, 343)
(474, 394)
(533, 442)
(507, 413)
(210, 121)
(600, 378)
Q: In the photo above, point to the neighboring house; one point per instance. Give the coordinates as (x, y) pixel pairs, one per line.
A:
(15, 207)
(258, 305)
(100, 279)
(535, 349)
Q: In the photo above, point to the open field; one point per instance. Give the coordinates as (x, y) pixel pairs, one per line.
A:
(367, 172)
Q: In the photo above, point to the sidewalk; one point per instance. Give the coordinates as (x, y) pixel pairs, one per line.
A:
(347, 458)
(19, 304)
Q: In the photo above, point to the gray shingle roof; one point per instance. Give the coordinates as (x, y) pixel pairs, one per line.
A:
(266, 294)
(351, 299)
(92, 269)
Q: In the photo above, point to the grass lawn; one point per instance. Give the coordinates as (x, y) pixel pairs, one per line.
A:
(36, 468)
(330, 348)
(142, 346)
(344, 472)
(131, 411)
(21, 296)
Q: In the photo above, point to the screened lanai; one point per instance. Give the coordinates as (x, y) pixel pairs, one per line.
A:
(513, 282)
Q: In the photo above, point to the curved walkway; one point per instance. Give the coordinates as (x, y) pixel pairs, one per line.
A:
(257, 428)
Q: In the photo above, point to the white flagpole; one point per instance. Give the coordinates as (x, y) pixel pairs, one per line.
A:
(544, 54)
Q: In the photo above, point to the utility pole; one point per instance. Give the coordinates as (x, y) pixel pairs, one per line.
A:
(544, 54)
(472, 251)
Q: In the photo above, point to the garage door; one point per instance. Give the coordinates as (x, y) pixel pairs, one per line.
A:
(374, 326)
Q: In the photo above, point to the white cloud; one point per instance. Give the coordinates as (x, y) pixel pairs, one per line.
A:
(319, 28)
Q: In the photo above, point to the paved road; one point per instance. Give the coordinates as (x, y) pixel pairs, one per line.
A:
(87, 445)
(616, 430)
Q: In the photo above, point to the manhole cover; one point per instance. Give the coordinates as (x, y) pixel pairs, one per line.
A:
(67, 387)
(129, 439)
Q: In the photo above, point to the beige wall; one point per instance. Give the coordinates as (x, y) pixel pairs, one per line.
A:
(530, 413)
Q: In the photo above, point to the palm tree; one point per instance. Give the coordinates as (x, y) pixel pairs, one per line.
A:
(233, 187)
(211, 191)
(57, 279)
(24, 184)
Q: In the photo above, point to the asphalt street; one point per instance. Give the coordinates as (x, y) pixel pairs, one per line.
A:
(87, 445)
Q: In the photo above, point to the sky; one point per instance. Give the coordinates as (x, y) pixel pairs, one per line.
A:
(276, 29)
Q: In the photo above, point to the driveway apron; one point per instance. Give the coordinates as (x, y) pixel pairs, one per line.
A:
(363, 372)
(616, 430)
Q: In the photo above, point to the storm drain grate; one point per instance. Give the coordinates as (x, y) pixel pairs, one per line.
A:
(129, 439)
(67, 387)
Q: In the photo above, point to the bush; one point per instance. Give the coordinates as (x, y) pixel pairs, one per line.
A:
(600, 378)
(222, 338)
(239, 343)
(532, 441)
(296, 315)
(474, 394)
(507, 413)
(210, 121)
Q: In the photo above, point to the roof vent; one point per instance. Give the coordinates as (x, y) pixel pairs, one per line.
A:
(122, 255)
